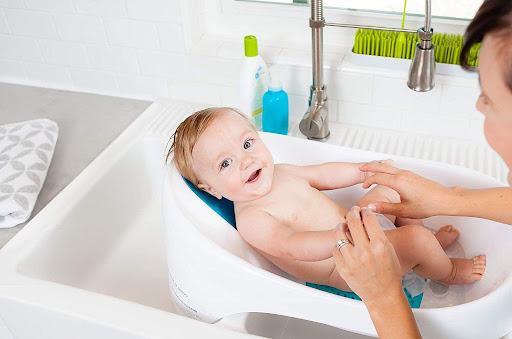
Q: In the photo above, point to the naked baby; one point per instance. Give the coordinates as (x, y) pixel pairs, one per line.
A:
(281, 211)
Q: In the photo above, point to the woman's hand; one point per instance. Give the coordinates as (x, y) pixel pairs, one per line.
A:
(369, 263)
(421, 198)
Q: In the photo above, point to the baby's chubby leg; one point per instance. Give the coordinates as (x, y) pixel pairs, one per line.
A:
(386, 194)
(418, 249)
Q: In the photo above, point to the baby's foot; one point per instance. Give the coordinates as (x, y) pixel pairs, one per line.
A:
(447, 235)
(466, 271)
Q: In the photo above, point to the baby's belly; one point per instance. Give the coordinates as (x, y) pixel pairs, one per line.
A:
(317, 272)
(322, 218)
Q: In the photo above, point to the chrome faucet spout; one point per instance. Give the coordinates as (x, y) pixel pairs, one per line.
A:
(423, 66)
(315, 123)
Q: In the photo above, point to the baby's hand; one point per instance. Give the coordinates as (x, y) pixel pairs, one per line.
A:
(369, 174)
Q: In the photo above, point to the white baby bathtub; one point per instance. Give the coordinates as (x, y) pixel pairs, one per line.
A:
(214, 273)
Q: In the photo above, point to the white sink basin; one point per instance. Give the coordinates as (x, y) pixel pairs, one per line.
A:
(92, 264)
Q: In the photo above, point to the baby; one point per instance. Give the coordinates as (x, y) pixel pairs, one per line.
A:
(281, 211)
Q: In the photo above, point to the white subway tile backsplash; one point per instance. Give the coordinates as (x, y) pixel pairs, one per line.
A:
(101, 8)
(298, 105)
(171, 37)
(131, 33)
(51, 5)
(192, 68)
(457, 81)
(296, 80)
(230, 50)
(229, 96)
(296, 57)
(145, 88)
(27, 22)
(48, 75)
(236, 51)
(204, 93)
(351, 87)
(160, 64)
(80, 28)
(63, 53)
(11, 71)
(4, 29)
(393, 92)
(115, 59)
(154, 10)
(369, 115)
(12, 3)
(209, 48)
(94, 81)
(456, 100)
(19, 48)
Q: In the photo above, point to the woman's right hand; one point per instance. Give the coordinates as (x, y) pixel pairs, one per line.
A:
(420, 197)
(370, 266)
(368, 263)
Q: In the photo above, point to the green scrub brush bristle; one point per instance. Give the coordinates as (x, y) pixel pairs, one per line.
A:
(402, 45)
(393, 45)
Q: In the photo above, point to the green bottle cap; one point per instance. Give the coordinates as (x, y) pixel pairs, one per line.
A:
(251, 46)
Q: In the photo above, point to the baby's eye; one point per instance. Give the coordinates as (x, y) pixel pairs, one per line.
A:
(248, 143)
(226, 163)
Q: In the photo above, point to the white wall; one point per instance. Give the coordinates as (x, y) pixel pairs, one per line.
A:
(158, 48)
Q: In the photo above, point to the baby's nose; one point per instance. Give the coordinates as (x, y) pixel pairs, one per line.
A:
(246, 162)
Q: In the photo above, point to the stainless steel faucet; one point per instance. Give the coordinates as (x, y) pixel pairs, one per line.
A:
(315, 123)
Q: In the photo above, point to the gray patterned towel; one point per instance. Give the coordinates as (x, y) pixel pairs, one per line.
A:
(26, 150)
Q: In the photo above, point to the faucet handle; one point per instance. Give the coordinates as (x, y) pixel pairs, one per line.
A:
(315, 124)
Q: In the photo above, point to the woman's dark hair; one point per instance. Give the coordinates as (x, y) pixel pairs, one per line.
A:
(494, 16)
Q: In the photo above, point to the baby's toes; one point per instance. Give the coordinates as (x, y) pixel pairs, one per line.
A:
(479, 264)
(447, 228)
(479, 259)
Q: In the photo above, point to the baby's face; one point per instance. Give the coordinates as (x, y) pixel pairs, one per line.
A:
(231, 161)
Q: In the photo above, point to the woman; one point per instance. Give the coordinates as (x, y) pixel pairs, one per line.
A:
(369, 265)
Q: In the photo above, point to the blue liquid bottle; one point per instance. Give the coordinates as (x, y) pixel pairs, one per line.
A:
(275, 106)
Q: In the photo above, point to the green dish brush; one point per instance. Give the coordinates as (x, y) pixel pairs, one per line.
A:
(386, 44)
(402, 45)
(392, 45)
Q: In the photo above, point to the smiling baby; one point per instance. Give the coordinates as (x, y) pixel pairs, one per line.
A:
(283, 214)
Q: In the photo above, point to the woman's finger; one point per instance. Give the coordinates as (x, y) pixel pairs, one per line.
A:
(371, 224)
(355, 226)
(381, 179)
(387, 208)
(339, 259)
(380, 167)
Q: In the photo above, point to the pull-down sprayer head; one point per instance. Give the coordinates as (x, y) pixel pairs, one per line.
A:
(423, 67)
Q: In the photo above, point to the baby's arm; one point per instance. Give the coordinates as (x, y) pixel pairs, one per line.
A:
(331, 175)
(266, 233)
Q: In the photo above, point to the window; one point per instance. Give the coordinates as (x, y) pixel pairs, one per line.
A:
(452, 9)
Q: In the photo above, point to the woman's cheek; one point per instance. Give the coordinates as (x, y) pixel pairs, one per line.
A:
(499, 138)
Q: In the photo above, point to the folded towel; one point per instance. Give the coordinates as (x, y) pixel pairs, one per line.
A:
(26, 150)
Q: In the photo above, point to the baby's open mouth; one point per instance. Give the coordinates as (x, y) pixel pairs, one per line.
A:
(254, 176)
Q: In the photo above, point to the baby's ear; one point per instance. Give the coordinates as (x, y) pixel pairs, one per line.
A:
(209, 190)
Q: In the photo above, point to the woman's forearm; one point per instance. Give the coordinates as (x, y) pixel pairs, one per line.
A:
(491, 203)
(392, 317)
